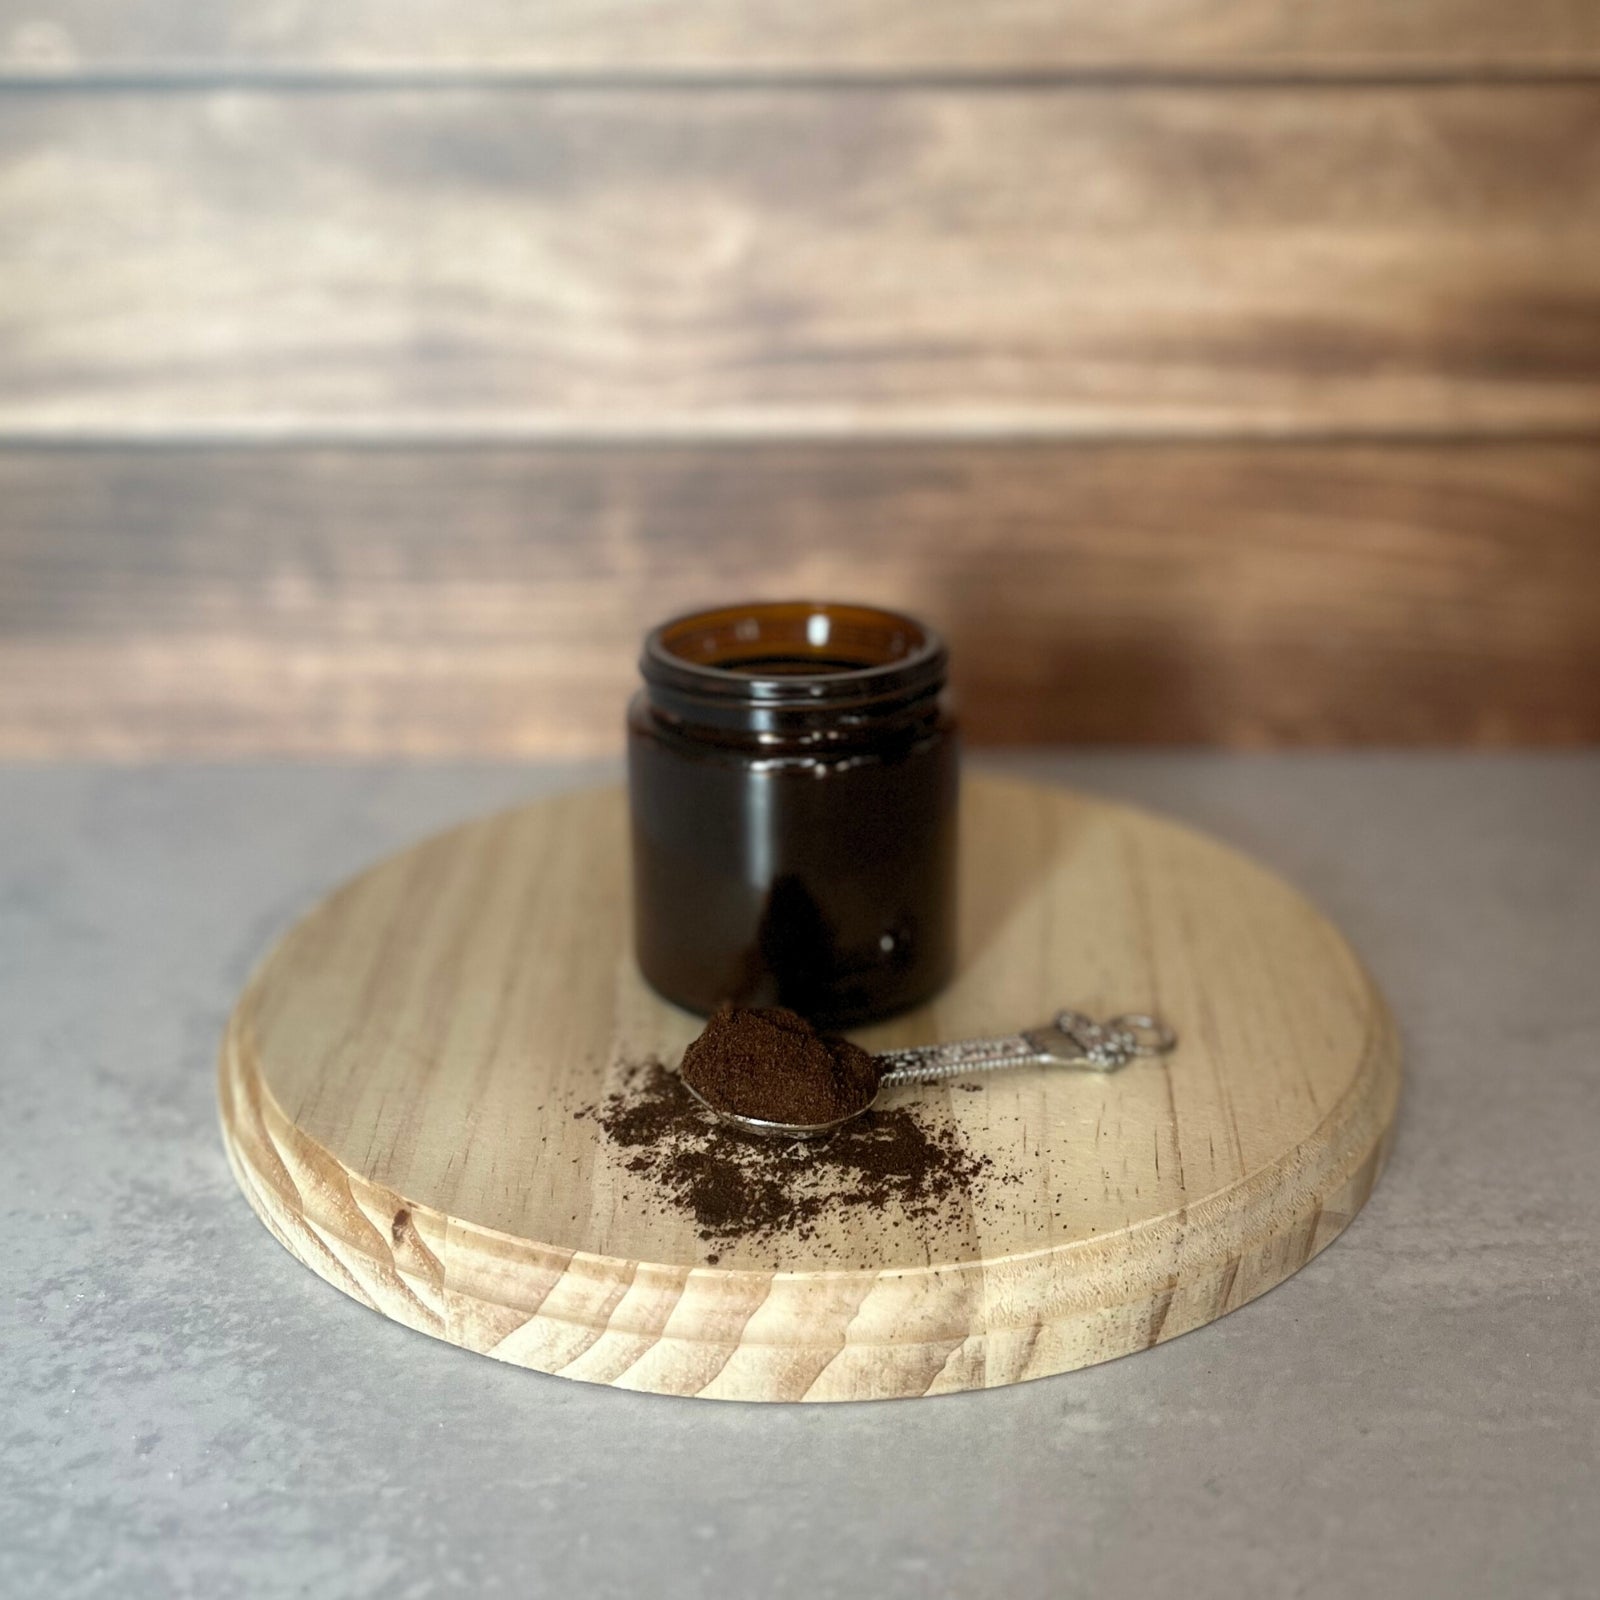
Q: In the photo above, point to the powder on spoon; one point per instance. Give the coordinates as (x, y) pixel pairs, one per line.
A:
(770, 1063)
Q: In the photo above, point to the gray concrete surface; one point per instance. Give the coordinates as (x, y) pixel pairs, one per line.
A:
(184, 1410)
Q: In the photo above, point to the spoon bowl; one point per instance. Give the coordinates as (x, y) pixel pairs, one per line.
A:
(783, 1130)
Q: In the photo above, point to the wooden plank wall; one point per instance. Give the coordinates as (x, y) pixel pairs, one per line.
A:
(1211, 370)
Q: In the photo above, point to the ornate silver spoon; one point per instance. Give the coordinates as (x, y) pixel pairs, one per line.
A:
(1069, 1039)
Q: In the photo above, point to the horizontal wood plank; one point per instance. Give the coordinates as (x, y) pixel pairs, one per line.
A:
(489, 602)
(79, 37)
(558, 264)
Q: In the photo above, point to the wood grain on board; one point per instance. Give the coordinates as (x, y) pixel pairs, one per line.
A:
(80, 37)
(405, 1114)
(787, 262)
(489, 601)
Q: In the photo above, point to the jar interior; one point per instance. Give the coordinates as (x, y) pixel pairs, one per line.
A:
(793, 639)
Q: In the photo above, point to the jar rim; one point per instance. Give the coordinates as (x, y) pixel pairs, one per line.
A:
(716, 654)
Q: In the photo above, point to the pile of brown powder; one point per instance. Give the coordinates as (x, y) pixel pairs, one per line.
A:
(770, 1063)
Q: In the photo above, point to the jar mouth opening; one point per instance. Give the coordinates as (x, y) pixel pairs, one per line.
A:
(795, 652)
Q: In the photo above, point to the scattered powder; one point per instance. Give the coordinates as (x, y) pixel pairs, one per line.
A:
(741, 1186)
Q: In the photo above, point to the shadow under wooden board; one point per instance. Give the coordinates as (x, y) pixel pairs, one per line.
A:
(404, 1082)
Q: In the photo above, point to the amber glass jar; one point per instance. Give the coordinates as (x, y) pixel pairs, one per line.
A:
(792, 769)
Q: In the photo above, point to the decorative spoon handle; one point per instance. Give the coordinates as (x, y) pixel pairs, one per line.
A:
(927, 1063)
(1070, 1039)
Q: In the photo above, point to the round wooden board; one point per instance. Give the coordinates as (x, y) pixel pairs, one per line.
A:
(398, 1085)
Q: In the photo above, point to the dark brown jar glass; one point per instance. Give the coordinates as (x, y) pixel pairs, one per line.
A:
(792, 768)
